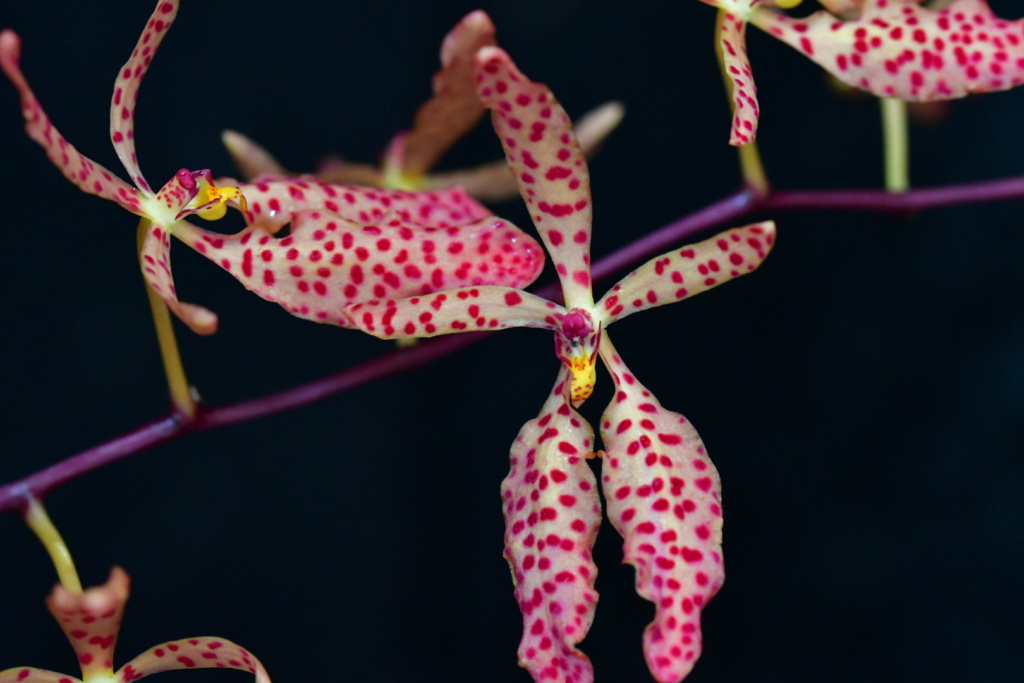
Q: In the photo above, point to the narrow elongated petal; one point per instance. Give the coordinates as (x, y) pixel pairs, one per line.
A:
(455, 108)
(155, 259)
(546, 159)
(273, 203)
(192, 653)
(126, 88)
(663, 497)
(691, 270)
(91, 620)
(85, 173)
(552, 514)
(732, 42)
(26, 674)
(495, 181)
(251, 158)
(470, 309)
(329, 262)
(897, 48)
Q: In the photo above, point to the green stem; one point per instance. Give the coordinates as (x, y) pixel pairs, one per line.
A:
(181, 391)
(39, 522)
(897, 144)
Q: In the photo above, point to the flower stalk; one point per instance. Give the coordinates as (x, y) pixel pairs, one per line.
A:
(39, 522)
(896, 142)
(182, 397)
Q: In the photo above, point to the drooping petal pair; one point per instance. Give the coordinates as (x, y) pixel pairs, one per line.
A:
(438, 124)
(91, 620)
(668, 502)
(890, 48)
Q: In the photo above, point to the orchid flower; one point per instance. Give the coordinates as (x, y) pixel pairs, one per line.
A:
(346, 243)
(901, 49)
(92, 619)
(661, 488)
(187, 193)
(439, 123)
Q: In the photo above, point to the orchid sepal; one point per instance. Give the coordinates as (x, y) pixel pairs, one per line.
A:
(545, 157)
(549, 537)
(468, 309)
(663, 496)
(682, 273)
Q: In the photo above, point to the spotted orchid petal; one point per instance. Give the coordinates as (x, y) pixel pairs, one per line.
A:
(126, 88)
(732, 41)
(545, 157)
(663, 497)
(898, 48)
(329, 262)
(155, 259)
(454, 109)
(469, 309)
(273, 203)
(28, 674)
(91, 620)
(552, 515)
(192, 653)
(681, 273)
(495, 182)
(85, 173)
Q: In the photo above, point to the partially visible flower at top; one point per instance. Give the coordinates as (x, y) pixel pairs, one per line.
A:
(891, 48)
(661, 488)
(187, 193)
(346, 243)
(439, 123)
(92, 620)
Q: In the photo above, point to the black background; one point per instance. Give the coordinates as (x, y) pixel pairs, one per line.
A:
(862, 394)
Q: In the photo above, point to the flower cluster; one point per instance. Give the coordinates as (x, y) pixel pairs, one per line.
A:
(411, 253)
(663, 492)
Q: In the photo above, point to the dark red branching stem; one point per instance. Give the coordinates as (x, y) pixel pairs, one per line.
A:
(739, 205)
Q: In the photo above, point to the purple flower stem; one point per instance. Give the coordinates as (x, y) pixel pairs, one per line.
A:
(14, 497)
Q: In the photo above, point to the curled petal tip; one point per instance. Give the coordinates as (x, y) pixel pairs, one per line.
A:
(10, 45)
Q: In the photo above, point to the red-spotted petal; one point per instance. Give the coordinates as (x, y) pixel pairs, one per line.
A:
(546, 159)
(329, 262)
(495, 181)
(192, 653)
(91, 620)
(273, 203)
(552, 514)
(155, 259)
(455, 108)
(896, 48)
(470, 309)
(79, 169)
(27, 674)
(126, 88)
(733, 43)
(663, 497)
(681, 273)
